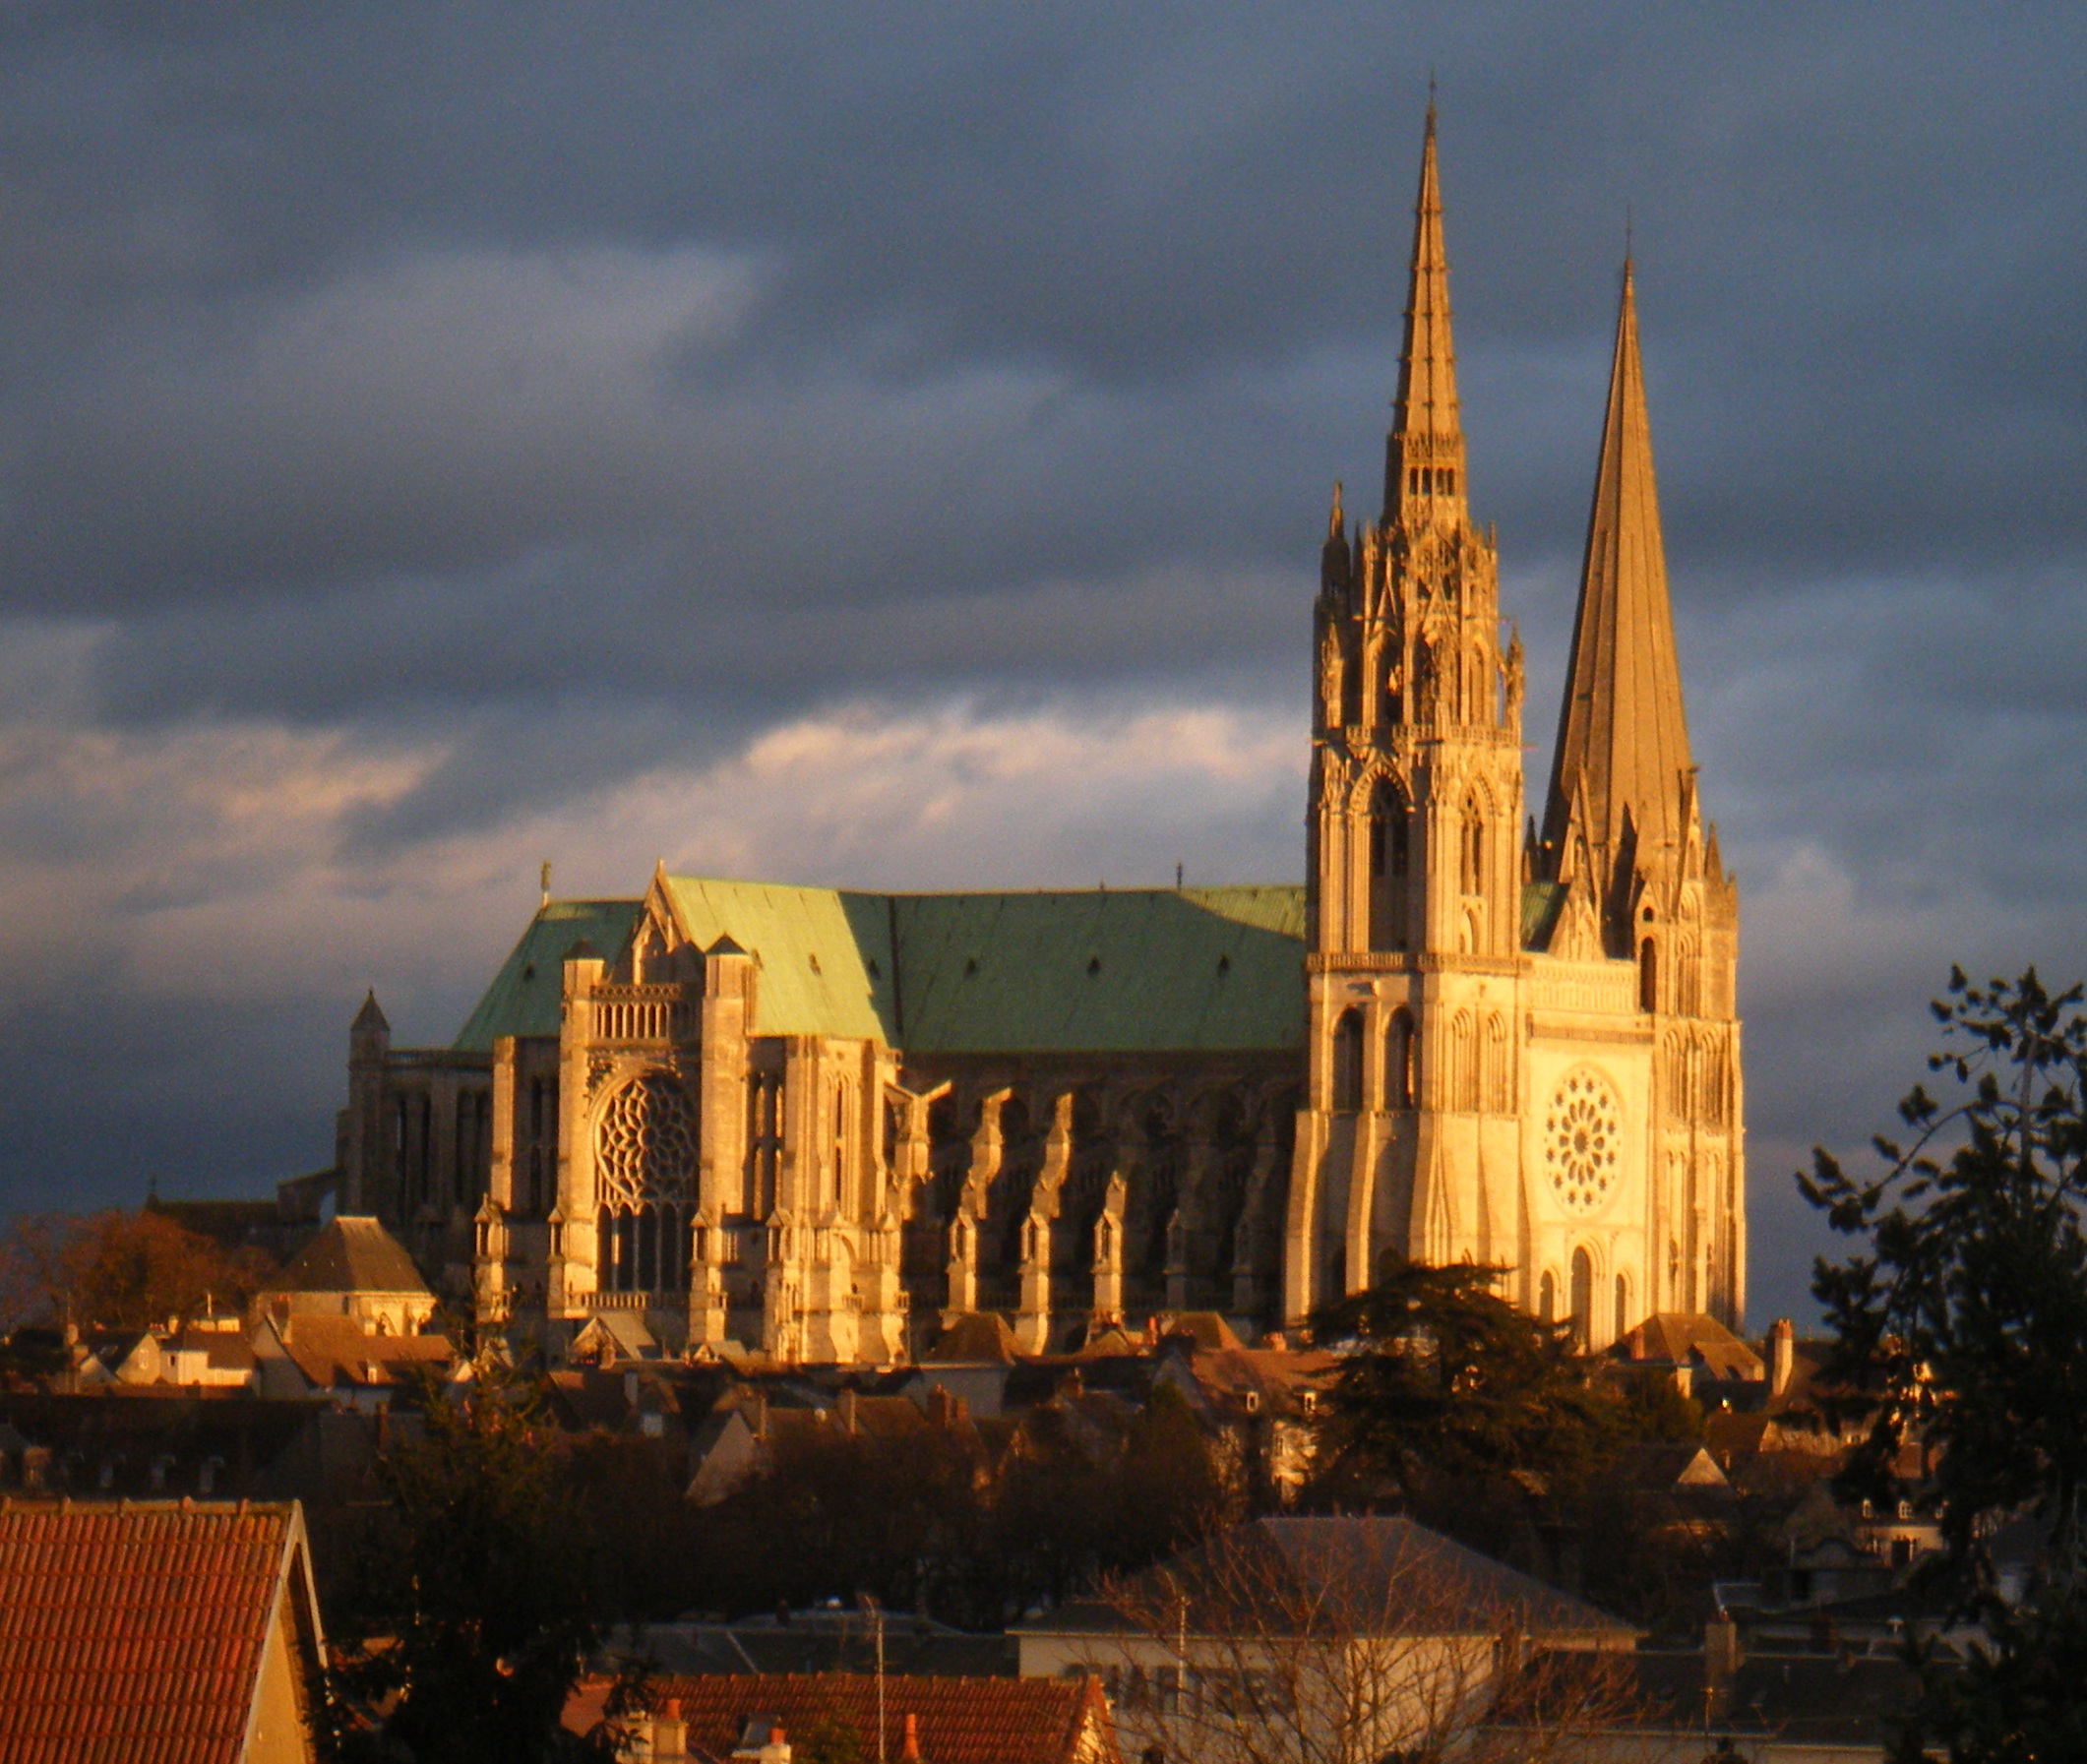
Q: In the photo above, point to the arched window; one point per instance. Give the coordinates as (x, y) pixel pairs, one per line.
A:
(763, 1143)
(1474, 850)
(1648, 976)
(1547, 1298)
(1622, 1306)
(1348, 1062)
(840, 1141)
(1389, 837)
(1582, 1299)
(1398, 1060)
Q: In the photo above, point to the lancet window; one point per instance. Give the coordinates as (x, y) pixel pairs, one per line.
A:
(1390, 854)
(1348, 1062)
(1582, 1299)
(1399, 1061)
(763, 1143)
(1474, 850)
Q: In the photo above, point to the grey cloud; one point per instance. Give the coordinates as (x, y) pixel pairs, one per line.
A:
(1029, 342)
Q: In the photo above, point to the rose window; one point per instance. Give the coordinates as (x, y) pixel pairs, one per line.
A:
(647, 1144)
(1582, 1138)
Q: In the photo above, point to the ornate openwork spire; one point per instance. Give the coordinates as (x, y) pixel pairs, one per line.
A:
(1424, 462)
(1622, 740)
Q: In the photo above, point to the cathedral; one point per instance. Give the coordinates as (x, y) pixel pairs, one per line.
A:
(818, 1125)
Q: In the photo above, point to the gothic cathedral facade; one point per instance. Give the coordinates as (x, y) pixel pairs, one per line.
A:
(819, 1124)
(1523, 1049)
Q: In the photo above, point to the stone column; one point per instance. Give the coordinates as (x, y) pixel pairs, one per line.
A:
(722, 1177)
(577, 1204)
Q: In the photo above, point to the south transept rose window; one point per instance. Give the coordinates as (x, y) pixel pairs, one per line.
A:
(1583, 1138)
(647, 1146)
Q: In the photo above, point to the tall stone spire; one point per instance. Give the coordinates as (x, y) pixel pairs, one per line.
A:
(1623, 741)
(1423, 458)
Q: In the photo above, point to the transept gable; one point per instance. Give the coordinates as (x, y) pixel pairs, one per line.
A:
(526, 996)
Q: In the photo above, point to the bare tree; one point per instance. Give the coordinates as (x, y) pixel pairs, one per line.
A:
(1346, 1641)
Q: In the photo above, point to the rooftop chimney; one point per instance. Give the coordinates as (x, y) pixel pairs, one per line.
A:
(1782, 1355)
(911, 1753)
(670, 1733)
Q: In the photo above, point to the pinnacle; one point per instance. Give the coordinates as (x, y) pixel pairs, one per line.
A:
(1424, 476)
(1623, 742)
(1427, 369)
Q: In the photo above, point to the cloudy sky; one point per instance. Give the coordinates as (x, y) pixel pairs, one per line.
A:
(891, 445)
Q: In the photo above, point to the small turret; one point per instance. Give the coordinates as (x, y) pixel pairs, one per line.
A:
(369, 1035)
(1334, 558)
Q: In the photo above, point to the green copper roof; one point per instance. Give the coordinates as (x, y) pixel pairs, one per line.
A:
(1101, 971)
(1541, 902)
(1139, 970)
(526, 995)
(1093, 971)
(824, 958)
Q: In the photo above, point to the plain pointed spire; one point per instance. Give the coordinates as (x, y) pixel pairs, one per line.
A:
(1423, 466)
(1623, 738)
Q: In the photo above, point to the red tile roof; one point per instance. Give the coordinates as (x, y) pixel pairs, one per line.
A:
(133, 1631)
(961, 1721)
(330, 1350)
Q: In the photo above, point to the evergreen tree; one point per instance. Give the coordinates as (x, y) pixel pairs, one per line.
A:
(1960, 1329)
(477, 1592)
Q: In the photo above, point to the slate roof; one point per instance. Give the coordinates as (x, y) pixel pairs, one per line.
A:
(352, 1254)
(133, 1632)
(961, 1721)
(1365, 1575)
(1832, 1701)
(825, 1641)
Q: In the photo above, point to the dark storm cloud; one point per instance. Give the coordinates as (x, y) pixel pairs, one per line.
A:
(552, 399)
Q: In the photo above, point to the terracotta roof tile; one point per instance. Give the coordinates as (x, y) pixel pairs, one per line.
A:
(330, 1351)
(961, 1721)
(133, 1632)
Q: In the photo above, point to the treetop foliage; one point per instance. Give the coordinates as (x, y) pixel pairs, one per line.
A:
(480, 1587)
(1960, 1330)
(1960, 1321)
(119, 1270)
(1450, 1382)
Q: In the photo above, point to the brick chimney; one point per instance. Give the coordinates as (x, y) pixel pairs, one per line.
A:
(1782, 1356)
(670, 1733)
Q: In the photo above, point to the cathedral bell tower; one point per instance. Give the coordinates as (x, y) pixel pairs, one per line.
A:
(1406, 1142)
